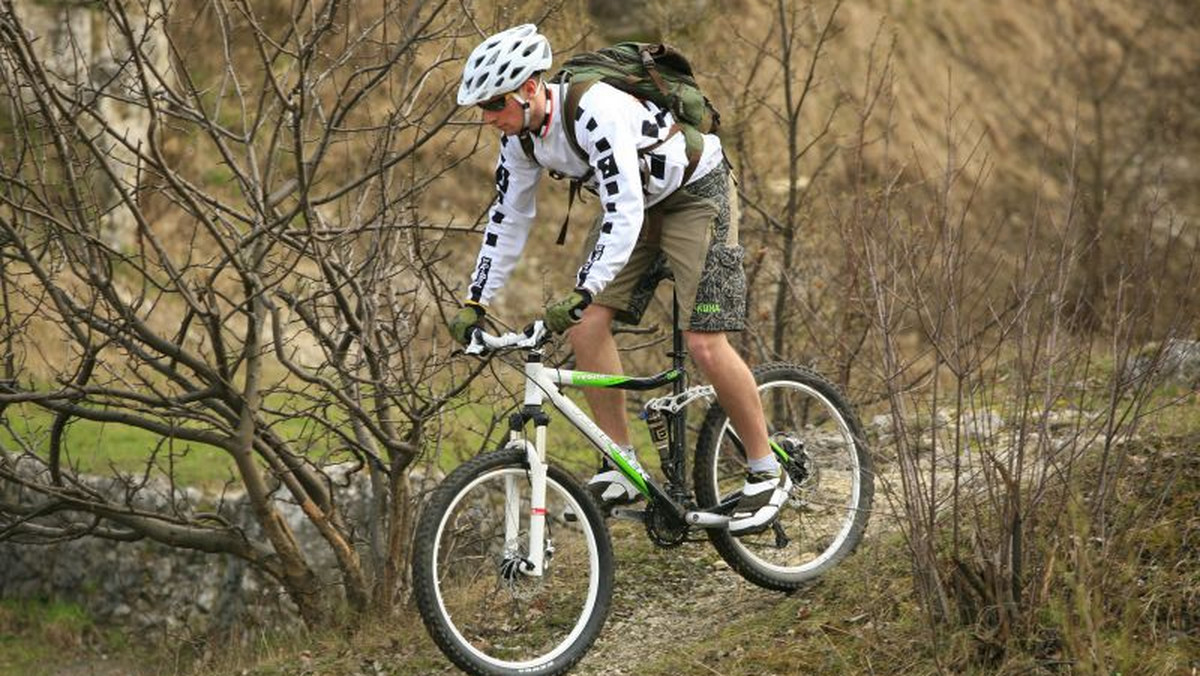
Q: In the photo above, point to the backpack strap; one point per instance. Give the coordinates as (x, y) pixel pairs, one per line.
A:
(693, 139)
(527, 146)
(694, 147)
(647, 54)
(572, 193)
(575, 92)
(570, 107)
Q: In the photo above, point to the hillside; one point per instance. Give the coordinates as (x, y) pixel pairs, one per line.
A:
(979, 219)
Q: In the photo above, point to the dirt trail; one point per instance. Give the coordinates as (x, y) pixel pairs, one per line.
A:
(666, 598)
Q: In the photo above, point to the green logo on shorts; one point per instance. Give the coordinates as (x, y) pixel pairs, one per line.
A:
(708, 308)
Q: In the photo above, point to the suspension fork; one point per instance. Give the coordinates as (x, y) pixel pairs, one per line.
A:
(535, 454)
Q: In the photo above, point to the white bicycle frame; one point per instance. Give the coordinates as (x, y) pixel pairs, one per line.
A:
(542, 383)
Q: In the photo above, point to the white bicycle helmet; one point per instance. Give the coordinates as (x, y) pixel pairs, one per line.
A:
(502, 62)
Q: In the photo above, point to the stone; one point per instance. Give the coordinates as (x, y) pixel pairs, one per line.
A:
(157, 587)
(982, 425)
(1176, 361)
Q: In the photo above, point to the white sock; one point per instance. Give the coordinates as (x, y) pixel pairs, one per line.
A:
(764, 465)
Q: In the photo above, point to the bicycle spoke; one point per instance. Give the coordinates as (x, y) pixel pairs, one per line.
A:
(498, 611)
(822, 518)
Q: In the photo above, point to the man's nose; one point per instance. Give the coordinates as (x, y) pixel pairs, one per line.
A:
(489, 117)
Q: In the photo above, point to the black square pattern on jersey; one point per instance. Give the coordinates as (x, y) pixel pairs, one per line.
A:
(658, 166)
(607, 167)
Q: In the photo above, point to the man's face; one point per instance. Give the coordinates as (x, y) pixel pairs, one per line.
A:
(509, 119)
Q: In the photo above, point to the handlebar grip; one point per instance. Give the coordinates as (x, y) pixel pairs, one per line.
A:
(532, 336)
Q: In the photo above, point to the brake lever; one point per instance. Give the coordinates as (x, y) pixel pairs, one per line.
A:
(476, 347)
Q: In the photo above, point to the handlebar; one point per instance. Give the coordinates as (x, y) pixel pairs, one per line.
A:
(531, 337)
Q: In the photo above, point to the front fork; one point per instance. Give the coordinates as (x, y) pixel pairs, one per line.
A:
(534, 561)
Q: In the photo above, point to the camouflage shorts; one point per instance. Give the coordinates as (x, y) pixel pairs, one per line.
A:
(691, 237)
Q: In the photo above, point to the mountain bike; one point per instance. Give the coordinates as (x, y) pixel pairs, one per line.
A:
(513, 563)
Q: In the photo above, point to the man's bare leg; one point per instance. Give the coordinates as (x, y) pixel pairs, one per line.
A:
(734, 383)
(596, 351)
(767, 486)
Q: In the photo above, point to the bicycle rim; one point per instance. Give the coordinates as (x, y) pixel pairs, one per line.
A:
(504, 618)
(824, 516)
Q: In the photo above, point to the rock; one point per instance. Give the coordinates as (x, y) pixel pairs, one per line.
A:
(882, 424)
(982, 425)
(1175, 361)
(1181, 361)
(156, 587)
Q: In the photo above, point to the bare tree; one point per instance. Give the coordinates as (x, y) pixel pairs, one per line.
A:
(1005, 428)
(278, 275)
(783, 149)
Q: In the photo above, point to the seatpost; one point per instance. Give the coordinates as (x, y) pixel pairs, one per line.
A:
(678, 352)
(677, 462)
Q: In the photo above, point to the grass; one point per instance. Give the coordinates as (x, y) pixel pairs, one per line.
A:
(843, 624)
(39, 637)
(838, 626)
(103, 448)
(100, 448)
(863, 617)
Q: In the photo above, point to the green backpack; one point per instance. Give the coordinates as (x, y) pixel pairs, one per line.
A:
(651, 72)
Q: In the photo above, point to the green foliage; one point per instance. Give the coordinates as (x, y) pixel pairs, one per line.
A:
(98, 448)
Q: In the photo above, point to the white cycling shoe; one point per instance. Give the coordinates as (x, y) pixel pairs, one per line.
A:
(609, 488)
(758, 508)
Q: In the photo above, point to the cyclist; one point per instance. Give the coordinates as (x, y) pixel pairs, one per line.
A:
(651, 221)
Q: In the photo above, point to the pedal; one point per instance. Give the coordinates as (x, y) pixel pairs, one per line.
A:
(629, 514)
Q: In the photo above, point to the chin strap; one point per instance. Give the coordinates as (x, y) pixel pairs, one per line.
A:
(525, 106)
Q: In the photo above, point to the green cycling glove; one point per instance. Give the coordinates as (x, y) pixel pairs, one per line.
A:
(469, 317)
(565, 313)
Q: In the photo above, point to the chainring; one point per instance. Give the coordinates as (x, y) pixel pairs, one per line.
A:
(664, 528)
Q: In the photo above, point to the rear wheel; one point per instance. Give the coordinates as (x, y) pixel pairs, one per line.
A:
(482, 609)
(824, 517)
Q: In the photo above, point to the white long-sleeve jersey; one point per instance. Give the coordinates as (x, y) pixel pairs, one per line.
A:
(611, 127)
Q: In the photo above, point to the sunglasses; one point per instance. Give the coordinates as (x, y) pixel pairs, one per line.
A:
(496, 104)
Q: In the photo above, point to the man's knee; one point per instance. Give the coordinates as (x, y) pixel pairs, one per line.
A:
(706, 348)
(595, 324)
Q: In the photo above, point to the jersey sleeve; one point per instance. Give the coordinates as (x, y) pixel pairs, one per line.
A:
(509, 220)
(607, 129)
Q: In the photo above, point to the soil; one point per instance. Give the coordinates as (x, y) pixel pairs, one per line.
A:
(665, 598)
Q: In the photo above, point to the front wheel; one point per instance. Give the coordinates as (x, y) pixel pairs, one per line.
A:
(824, 517)
(481, 607)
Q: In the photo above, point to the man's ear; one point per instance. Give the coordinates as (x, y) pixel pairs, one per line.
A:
(529, 88)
